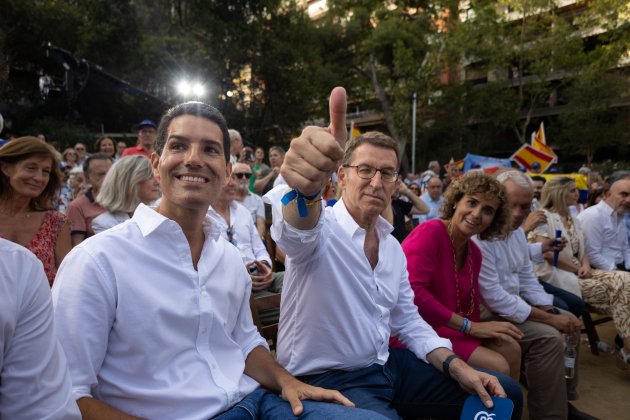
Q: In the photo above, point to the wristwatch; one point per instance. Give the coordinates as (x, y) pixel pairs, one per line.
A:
(553, 311)
(446, 364)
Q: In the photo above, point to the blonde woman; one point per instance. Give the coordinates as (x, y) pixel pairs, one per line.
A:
(606, 291)
(128, 183)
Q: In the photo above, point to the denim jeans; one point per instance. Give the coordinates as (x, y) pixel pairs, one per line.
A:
(407, 386)
(564, 300)
(262, 404)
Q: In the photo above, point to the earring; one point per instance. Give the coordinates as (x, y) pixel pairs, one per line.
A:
(454, 207)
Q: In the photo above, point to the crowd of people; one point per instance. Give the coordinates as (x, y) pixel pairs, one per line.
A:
(401, 296)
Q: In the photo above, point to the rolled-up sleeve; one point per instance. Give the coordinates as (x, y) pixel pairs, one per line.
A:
(408, 326)
(295, 243)
(245, 332)
(498, 300)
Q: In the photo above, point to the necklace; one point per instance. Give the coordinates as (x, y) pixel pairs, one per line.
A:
(458, 308)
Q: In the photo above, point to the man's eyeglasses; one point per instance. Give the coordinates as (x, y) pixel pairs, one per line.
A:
(368, 172)
(79, 148)
(241, 175)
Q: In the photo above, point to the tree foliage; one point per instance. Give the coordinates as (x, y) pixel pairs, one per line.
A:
(484, 76)
(528, 58)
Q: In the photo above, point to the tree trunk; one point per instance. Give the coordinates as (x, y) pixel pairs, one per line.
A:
(387, 113)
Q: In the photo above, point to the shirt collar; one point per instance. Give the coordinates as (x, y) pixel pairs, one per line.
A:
(350, 226)
(427, 196)
(149, 220)
(606, 209)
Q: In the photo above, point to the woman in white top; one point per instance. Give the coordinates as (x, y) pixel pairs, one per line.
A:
(128, 183)
(607, 291)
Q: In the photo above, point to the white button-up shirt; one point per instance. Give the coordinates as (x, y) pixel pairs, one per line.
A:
(34, 379)
(147, 333)
(244, 233)
(255, 205)
(507, 283)
(434, 208)
(605, 237)
(108, 220)
(336, 312)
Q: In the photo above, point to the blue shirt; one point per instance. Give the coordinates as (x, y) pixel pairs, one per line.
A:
(434, 208)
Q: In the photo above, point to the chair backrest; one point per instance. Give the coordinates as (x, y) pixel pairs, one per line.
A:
(258, 306)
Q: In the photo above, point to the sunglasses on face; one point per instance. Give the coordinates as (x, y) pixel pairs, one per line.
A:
(241, 175)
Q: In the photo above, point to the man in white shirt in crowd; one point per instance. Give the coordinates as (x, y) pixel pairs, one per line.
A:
(154, 313)
(346, 287)
(605, 235)
(433, 198)
(34, 379)
(251, 201)
(510, 290)
(236, 226)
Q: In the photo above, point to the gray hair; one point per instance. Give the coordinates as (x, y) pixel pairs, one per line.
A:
(243, 165)
(433, 163)
(278, 149)
(517, 177)
(234, 135)
(119, 192)
(617, 176)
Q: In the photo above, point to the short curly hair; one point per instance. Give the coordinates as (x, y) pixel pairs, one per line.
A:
(473, 183)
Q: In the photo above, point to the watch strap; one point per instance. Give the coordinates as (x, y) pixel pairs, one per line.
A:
(446, 364)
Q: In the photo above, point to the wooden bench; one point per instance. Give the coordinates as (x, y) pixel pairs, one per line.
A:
(260, 304)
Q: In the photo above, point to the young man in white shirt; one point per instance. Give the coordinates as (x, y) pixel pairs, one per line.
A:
(510, 291)
(346, 288)
(154, 313)
(605, 235)
(34, 379)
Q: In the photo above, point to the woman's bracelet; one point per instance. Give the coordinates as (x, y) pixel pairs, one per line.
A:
(464, 327)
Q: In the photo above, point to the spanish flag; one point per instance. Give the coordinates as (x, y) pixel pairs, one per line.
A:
(459, 164)
(526, 156)
(539, 142)
(354, 131)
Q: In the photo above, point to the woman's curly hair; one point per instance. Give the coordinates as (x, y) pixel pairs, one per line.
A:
(473, 183)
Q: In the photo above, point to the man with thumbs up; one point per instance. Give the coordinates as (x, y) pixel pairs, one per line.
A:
(346, 288)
